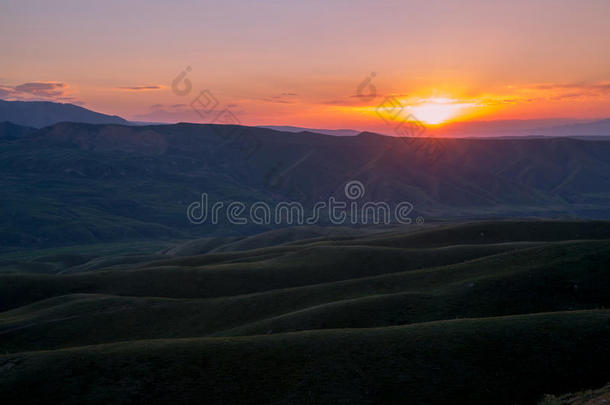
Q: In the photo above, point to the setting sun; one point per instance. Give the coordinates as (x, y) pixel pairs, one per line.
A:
(436, 111)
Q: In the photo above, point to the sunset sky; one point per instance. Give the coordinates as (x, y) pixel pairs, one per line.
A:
(301, 63)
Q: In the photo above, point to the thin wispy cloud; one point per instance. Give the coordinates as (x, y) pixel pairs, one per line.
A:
(277, 101)
(352, 101)
(139, 88)
(43, 91)
(164, 106)
(581, 87)
(282, 98)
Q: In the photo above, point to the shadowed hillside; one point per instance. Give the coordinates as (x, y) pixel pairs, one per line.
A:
(480, 312)
(83, 183)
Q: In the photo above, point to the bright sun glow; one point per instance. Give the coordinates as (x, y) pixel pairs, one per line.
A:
(435, 111)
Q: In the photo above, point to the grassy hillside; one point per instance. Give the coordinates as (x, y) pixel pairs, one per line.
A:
(483, 312)
(491, 360)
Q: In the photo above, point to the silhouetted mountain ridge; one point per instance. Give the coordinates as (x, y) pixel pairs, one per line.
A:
(40, 114)
(116, 182)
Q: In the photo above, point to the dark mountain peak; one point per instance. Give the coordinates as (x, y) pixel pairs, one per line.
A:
(370, 135)
(323, 131)
(39, 114)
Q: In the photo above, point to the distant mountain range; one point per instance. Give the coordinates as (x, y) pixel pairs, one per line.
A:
(333, 132)
(490, 129)
(83, 183)
(40, 114)
(521, 128)
(595, 128)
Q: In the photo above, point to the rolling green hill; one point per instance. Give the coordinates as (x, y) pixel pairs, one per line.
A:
(480, 312)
